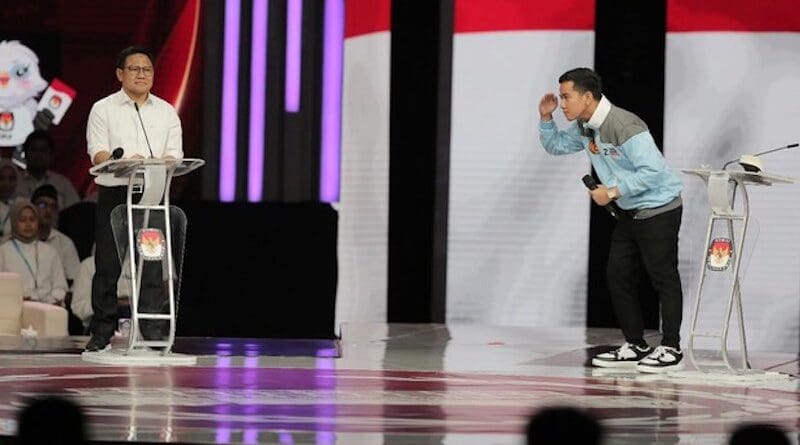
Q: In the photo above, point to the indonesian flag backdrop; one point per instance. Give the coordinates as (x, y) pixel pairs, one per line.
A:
(733, 87)
(519, 218)
(364, 193)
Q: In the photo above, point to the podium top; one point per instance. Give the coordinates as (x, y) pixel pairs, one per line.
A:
(745, 177)
(123, 168)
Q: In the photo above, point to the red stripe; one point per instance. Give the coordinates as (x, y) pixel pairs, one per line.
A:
(733, 15)
(513, 15)
(367, 16)
(64, 88)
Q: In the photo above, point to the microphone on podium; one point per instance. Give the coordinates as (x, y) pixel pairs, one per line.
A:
(591, 184)
(117, 153)
(752, 163)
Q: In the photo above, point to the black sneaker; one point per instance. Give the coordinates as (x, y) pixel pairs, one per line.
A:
(98, 343)
(662, 359)
(626, 356)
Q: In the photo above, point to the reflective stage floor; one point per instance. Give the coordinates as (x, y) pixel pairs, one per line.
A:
(391, 384)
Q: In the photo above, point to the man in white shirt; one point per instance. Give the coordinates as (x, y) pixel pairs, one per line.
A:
(45, 198)
(144, 126)
(38, 156)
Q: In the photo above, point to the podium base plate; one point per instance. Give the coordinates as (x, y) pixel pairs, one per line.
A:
(138, 357)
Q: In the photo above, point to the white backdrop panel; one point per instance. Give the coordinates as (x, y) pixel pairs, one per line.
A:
(519, 218)
(364, 200)
(729, 93)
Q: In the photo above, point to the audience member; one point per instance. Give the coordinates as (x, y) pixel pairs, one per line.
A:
(758, 434)
(38, 264)
(39, 148)
(45, 198)
(82, 291)
(563, 425)
(9, 177)
(51, 421)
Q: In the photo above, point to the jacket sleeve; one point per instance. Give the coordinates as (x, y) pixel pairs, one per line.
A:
(559, 142)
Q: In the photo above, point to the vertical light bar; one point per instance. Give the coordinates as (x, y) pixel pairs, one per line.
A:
(294, 44)
(258, 85)
(330, 151)
(230, 91)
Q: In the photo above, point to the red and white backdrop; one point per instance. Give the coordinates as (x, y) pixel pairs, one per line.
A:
(364, 190)
(732, 86)
(519, 218)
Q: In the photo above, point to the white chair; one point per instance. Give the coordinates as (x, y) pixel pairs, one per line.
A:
(15, 314)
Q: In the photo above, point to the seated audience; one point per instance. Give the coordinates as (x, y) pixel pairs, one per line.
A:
(51, 421)
(38, 264)
(39, 148)
(758, 434)
(563, 425)
(45, 198)
(9, 176)
(82, 291)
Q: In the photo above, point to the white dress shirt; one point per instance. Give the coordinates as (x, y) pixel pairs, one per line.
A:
(5, 218)
(39, 266)
(82, 289)
(66, 249)
(113, 122)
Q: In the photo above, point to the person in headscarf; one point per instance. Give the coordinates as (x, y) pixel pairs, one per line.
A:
(9, 177)
(38, 264)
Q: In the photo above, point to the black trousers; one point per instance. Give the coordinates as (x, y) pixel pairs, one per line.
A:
(652, 244)
(107, 269)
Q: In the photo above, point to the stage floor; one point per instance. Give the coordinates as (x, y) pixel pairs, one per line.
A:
(391, 384)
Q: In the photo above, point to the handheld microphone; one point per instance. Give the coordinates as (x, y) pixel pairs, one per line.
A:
(591, 184)
(117, 153)
(146, 139)
(752, 163)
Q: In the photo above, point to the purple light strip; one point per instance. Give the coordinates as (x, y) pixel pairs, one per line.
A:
(230, 91)
(258, 85)
(294, 31)
(331, 101)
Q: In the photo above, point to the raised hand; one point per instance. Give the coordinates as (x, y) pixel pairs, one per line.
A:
(547, 105)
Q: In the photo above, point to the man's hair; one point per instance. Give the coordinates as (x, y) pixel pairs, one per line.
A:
(38, 134)
(584, 80)
(44, 190)
(131, 50)
(561, 424)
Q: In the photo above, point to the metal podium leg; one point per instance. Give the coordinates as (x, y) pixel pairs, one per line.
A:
(734, 297)
(696, 311)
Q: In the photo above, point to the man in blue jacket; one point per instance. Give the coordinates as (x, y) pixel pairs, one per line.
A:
(638, 181)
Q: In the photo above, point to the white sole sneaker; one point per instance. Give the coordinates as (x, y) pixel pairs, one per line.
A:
(614, 364)
(648, 369)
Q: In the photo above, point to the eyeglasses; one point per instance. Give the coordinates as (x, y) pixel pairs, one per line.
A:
(44, 205)
(136, 70)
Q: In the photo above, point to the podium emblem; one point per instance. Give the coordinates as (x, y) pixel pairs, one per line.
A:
(150, 244)
(719, 254)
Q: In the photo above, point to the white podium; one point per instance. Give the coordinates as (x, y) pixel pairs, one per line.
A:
(151, 233)
(722, 186)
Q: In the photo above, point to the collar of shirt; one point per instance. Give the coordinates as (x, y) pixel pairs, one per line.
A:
(51, 236)
(600, 113)
(123, 98)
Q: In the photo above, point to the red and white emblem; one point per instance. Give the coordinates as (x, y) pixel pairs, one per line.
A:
(6, 121)
(55, 101)
(720, 253)
(150, 244)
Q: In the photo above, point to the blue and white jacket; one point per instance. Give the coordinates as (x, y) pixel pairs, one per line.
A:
(622, 152)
